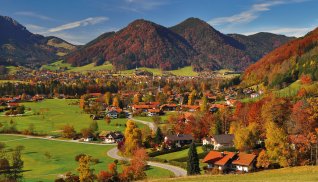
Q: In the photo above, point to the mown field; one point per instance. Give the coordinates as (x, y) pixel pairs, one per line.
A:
(295, 174)
(40, 167)
(50, 115)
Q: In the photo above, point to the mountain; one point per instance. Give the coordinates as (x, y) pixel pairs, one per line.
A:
(192, 42)
(18, 46)
(217, 50)
(286, 63)
(141, 43)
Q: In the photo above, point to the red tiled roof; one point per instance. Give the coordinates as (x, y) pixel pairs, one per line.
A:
(154, 110)
(244, 159)
(218, 158)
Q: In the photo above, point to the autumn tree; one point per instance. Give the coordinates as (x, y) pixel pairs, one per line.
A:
(263, 160)
(93, 126)
(87, 132)
(277, 146)
(133, 138)
(191, 97)
(116, 101)
(86, 174)
(107, 97)
(245, 138)
(68, 131)
(204, 104)
(136, 99)
(193, 161)
(136, 169)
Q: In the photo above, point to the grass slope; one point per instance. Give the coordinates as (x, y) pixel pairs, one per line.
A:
(55, 113)
(303, 173)
(41, 168)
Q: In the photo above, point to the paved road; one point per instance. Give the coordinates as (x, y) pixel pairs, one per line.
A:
(52, 139)
(151, 125)
(113, 153)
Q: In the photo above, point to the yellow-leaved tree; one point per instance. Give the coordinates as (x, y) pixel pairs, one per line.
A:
(133, 138)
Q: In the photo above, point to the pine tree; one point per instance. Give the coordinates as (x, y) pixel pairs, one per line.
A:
(193, 161)
(159, 136)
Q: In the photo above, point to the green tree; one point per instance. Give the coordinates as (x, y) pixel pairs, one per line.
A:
(159, 136)
(193, 161)
(17, 163)
(93, 126)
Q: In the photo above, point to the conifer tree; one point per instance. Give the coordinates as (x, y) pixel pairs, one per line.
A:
(193, 161)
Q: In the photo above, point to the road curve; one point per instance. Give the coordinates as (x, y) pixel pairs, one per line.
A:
(151, 125)
(178, 172)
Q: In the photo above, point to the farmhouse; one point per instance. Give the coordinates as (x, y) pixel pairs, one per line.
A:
(219, 141)
(111, 137)
(179, 140)
(230, 161)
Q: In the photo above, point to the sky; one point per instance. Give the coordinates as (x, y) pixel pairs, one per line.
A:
(80, 21)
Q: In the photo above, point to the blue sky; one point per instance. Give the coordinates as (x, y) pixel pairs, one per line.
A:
(80, 21)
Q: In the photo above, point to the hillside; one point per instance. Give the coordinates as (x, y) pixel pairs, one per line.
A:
(303, 173)
(192, 42)
(18, 46)
(287, 63)
(141, 43)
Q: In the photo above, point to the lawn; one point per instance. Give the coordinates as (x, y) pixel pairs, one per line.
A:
(304, 173)
(291, 90)
(92, 67)
(41, 168)
(150, 119)
(179, 154)
(185, 71)
(55, 113)
(56, 66)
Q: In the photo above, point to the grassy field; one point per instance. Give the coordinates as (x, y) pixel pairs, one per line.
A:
(295, 174)
(91, 67)
(41, 168)
(55, 113)
(185, 71)
(291, 90)
(56, 66)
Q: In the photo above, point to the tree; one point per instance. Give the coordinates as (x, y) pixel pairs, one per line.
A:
(107, 98)
(87, 132)
(136, 169)
(204, 104)
(245, 138)
(17, 163)
(263, 160)
(107, 120)
(116, 101)
(136, 99)
(159, 136)
(192, 97)
(193, 161)
(85, 172)
(277, 146)
(93, 126)
(133, 138)
(68, 131)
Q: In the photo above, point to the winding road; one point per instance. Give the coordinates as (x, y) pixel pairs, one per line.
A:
(113, 153)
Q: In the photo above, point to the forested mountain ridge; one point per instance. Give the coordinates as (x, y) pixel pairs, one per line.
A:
(286, 63)
(18, 46)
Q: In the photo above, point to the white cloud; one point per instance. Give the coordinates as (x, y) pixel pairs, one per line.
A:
(80, 23)
(289, 31)
(33, 15)
(252, 13)
(138, 5)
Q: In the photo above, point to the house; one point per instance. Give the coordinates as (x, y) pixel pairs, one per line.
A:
(254, 95)
(153, 112)
(113, 114)
(111, 137)
(169, 107)
(179, 140)
(190, 108)
(220, 141)
(231, 102)
(244, 162)
(220, 160)
(230, 161)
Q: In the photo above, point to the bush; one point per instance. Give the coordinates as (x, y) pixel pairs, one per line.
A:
(77, 157)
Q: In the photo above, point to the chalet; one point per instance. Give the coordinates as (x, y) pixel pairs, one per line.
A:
(111, 137)
(153, 112)
(179, 140)
(230, 161)
(220, 160)
(244, 162)
(169, 107)
(254, 95)
(219, 141)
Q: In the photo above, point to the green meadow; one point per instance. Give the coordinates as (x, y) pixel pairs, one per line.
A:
(39, 167)
(50, 115)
